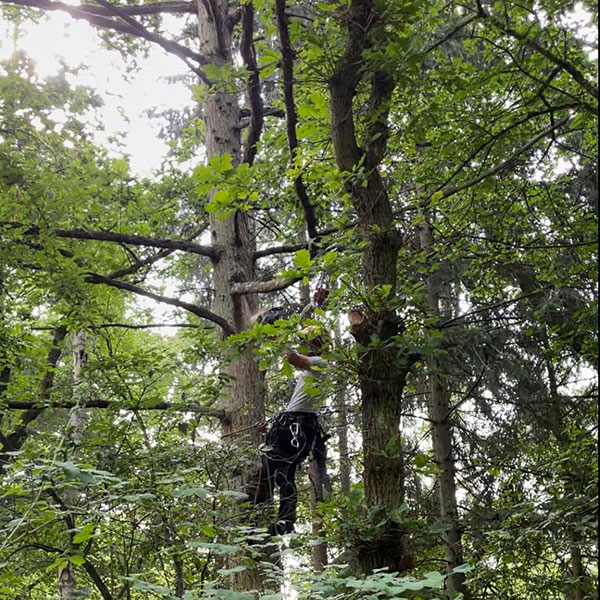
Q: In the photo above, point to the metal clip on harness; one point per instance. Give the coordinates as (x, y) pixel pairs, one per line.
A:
(295, 431)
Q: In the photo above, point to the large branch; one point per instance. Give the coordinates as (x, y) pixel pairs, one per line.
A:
(248, 53)
(195, 408)
(287, 67)
(152, 8)
(199, 311)
(122, 238)
(289, 248)
(343, 85)
(263, 287)
(123, 26)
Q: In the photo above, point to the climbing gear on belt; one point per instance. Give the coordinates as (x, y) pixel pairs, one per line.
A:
(295, 430)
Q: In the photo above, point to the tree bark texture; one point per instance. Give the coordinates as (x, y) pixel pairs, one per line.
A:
(439, 413)
(232, 237)
(319, 551)
(78, 420)
(381, 378)
(341, 426)
(232, 240)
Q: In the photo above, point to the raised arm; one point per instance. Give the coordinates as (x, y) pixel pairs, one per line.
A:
(299, 361)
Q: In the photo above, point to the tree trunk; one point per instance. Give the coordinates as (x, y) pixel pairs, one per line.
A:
(78, 419)
(382, 376)
(232, 239)
(319, 550)
(67, 586)
(439, 413)
(341, 425)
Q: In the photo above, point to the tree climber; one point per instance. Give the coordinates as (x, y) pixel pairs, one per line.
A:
(295, 432)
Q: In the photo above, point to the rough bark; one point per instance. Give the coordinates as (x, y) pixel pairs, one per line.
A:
(232, 237)
(319, 551)
(382, 376)
(78, 419)
(439, 414)
(232, 240)
(67, 586)
(341, 426)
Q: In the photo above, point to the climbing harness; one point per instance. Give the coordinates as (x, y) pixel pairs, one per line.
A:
(295, 430)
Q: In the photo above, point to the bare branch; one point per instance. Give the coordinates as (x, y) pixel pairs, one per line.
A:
(206, 411)
(450, 34)
(452, 322)
(575, 73)
(153, 8)
(131, 326)
(287, 249)
(450, 191)
(248, 52)
(263, 287)
(199, 311)
(287, 65)
(123, 238)
(129, 27)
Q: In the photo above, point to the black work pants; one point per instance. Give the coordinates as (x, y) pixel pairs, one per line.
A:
(289, 442)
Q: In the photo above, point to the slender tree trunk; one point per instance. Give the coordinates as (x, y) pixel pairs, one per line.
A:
(439, 412)
(78, 418)
(341, 426)
(576, 569)
(319, 551)
(67, 585)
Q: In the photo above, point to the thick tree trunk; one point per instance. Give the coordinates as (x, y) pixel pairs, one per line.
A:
(439, 412)
(232, 239)
(382, 377)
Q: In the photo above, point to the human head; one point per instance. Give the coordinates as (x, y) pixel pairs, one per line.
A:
(315, 337)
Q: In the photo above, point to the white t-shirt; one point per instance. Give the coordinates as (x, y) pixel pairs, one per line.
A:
(308, 393)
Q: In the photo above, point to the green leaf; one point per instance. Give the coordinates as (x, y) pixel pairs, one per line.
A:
(302, 259)
(440, 527)
(421, 459)
(86, 532)
(200, 492)
(214, 547)
(74, 472)
(238, 569)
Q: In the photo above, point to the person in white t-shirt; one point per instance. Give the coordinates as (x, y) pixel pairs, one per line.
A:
(294, 432)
